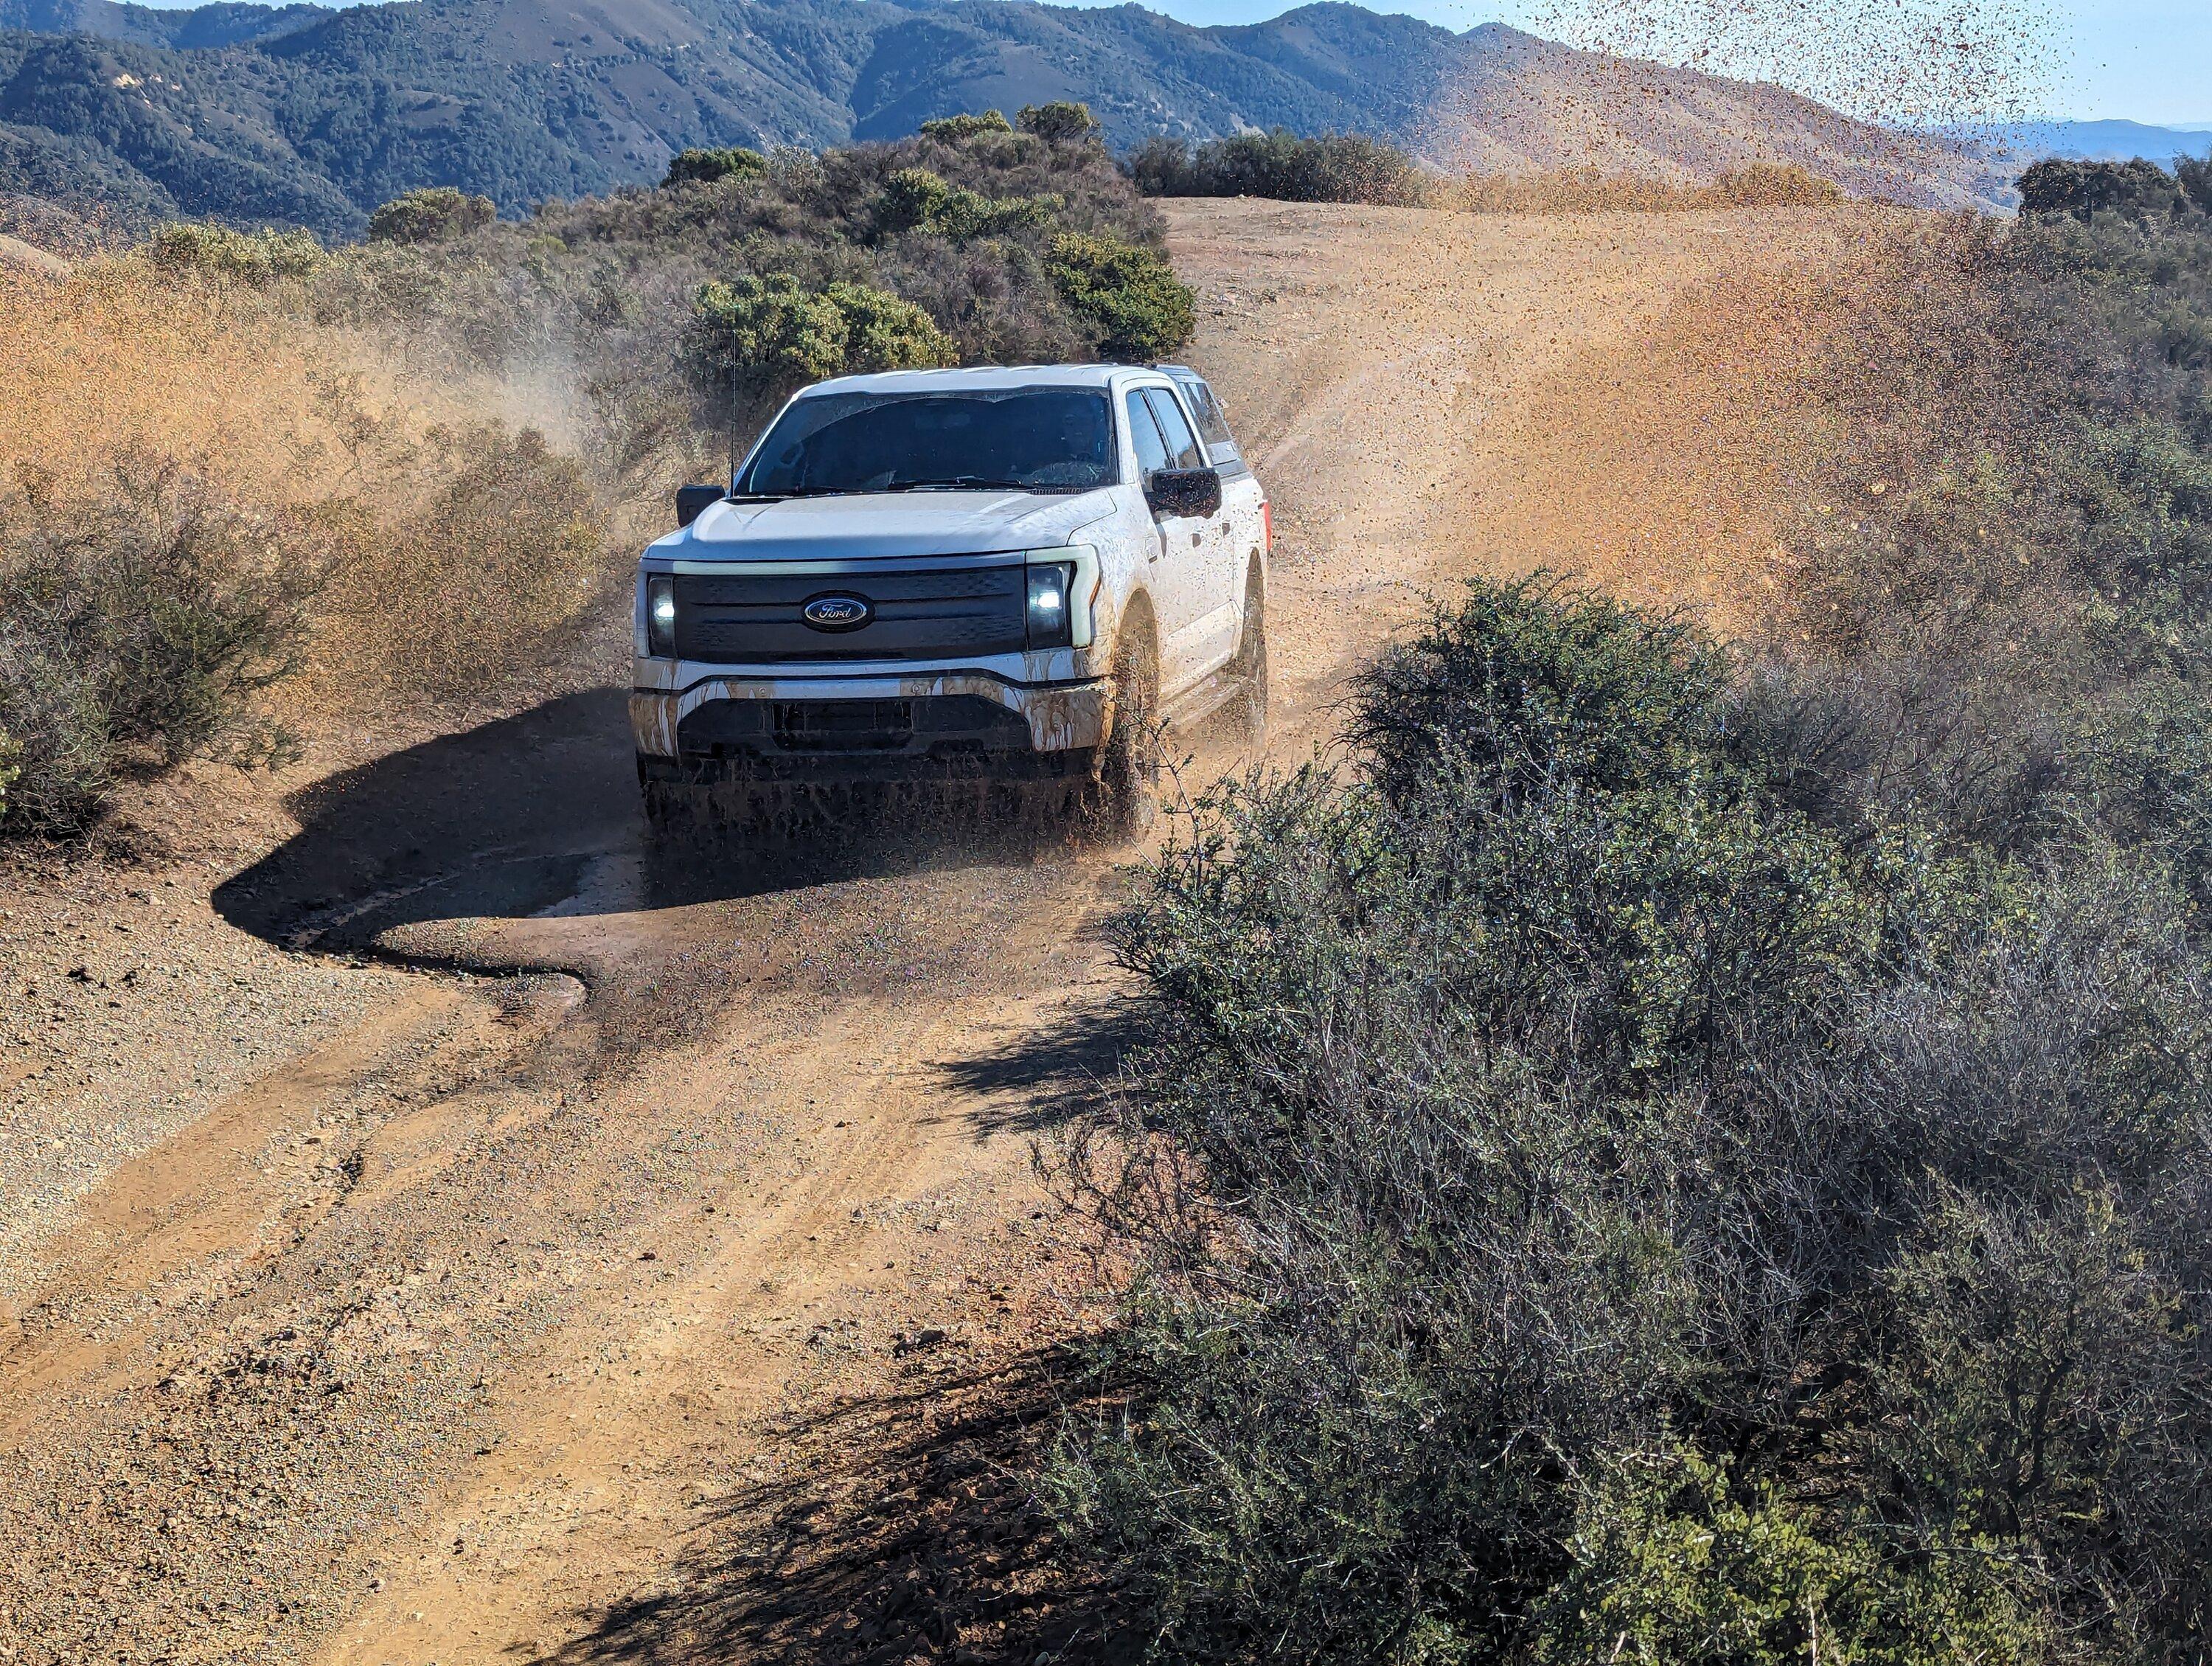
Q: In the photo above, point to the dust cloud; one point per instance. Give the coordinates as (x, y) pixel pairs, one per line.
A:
(1907, 63)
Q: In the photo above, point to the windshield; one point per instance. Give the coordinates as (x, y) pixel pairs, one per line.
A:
(1042, 439)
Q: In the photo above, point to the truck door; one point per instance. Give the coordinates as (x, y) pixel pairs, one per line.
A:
(1172, 575)
(1210, 634)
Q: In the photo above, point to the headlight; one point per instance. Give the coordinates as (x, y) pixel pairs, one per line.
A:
(1049, 625)
(661, 615)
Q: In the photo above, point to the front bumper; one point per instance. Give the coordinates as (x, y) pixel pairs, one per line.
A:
(1061, 718)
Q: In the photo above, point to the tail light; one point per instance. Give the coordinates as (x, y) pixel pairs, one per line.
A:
(1266, 528)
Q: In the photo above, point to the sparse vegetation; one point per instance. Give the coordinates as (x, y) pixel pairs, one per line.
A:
(1684, 1153)
(1349, 168)
(491, 545)
(1334, 168)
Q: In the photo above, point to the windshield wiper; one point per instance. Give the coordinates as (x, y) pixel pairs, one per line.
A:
(957, 482)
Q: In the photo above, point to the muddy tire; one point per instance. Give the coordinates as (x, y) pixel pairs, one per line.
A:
(1123, 804)
(1248, 711)
(671, 809)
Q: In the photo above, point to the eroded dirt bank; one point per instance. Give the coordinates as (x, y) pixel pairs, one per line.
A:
(537, 1283)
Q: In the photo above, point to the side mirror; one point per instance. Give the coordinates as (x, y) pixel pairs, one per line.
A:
(1193, 492)
(691, 500)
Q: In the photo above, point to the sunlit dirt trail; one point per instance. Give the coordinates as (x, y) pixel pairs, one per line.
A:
(453, 1336)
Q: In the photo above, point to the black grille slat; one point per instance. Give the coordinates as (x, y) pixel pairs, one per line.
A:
(755, 619)
(844, 726)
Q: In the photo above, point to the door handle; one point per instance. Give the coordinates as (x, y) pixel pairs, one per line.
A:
(1196, 540)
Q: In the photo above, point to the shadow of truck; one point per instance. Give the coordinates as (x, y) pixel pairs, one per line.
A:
(494, 821)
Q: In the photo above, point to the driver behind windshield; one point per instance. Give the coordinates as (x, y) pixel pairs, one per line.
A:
(1033, 439)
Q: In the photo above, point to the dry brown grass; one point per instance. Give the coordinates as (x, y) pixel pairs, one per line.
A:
(112, 359)
(452, 554)
(1593, 191)
(1674, 469)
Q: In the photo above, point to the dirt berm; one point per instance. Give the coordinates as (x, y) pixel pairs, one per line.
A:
(438, 1233)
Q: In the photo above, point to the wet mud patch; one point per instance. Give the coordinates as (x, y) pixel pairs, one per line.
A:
(496, 821)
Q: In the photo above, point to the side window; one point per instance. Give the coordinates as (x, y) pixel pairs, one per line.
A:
(1212, 427)
(1145, 435)
(1175, 427)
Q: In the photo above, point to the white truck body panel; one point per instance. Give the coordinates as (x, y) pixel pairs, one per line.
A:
(1190, 571)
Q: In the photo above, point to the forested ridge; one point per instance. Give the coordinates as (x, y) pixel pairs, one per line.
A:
(302, 116)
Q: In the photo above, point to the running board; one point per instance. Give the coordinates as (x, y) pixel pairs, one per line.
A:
(1195, 704)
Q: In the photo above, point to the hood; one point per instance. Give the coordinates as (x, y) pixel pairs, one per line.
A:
(879, 526)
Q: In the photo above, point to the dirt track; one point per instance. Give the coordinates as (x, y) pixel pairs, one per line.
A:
(471, 1311)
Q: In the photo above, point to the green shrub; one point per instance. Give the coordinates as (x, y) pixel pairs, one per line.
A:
(915, 198)
(1334, 168)
(1551, 1103)
(951, 129)
(258, 259)
(2132, 189)
(10, 752)
(1061, 122)
(700, 167)
(1129, 297)
(780, 335)
(608, 284)
(436, 214)
(134, 631)
(1530, 687)
(1672, 1565)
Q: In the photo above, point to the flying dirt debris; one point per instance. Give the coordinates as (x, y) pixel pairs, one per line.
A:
(993, 586)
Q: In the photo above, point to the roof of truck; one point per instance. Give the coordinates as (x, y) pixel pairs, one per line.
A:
(987, 378)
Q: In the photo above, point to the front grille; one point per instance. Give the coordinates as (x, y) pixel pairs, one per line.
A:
(843, 726)
(935, 725)
(755, 618)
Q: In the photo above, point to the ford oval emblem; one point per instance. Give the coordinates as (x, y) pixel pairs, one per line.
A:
(838, 611)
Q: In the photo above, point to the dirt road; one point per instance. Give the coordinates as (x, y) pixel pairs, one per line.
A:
(444, 1233)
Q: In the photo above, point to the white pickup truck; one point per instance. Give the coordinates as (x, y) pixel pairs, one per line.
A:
(1010, 576)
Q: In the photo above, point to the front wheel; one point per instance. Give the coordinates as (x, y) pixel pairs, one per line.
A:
(1249, 668)
(1131, 768)
(671, 809)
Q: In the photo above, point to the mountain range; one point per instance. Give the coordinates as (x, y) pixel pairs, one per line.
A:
(298, 114)
(2097, 141)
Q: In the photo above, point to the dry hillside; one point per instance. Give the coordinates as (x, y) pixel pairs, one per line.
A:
(1522, 104)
